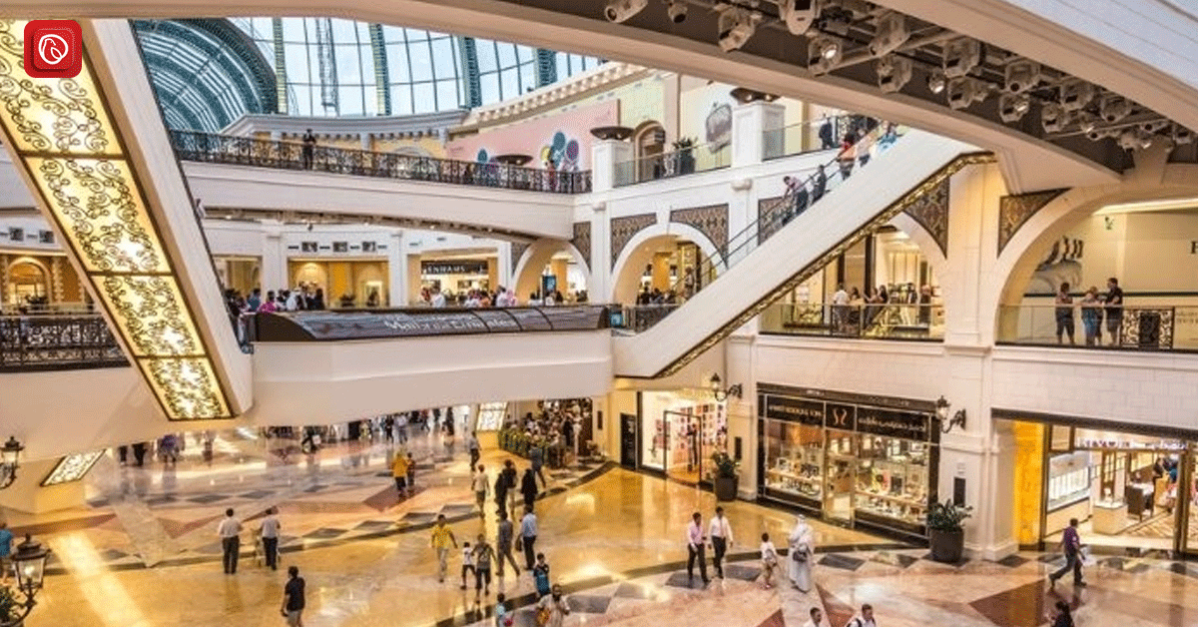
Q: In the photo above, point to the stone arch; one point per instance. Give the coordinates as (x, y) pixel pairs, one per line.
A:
(627, 270)
(1016, 263)
(644, 158)
(527, 273)
(37, 265)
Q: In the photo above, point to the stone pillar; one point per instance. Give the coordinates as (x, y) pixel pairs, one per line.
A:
(4, 261)
(605, 154)
(274, 261)
(397, 271)
(749, 123)
(56, 290)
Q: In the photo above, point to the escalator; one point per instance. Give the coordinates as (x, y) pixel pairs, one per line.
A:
(775, 255)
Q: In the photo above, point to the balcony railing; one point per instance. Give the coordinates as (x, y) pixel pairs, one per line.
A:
(638, 318)
(1131, 327)
(804, 137)
(880, 321)
(701, 158)
(358, 324)
(57, 342)
(247, 151)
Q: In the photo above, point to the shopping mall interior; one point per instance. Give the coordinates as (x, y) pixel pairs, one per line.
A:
(907, 286)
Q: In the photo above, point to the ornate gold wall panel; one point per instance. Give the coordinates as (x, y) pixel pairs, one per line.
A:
(62, 134)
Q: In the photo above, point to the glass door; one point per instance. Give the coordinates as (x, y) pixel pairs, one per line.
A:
(683, 445)
(840, 476)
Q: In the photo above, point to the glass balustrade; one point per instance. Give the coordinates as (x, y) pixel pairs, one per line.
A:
(1131, 327)
(881, 321)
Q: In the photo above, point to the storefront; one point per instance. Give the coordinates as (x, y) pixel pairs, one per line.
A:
(1129, 486)
(456, 277)
(679, 432)
(849, 459)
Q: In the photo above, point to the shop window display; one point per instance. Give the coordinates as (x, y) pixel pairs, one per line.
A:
(892, 478)
(680, 434)
(795, 460)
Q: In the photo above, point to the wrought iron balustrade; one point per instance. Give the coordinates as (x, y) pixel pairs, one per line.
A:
(248, 151)
(1133, 326)
(57, 342)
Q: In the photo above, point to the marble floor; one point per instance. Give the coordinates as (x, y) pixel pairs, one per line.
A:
(143, 553)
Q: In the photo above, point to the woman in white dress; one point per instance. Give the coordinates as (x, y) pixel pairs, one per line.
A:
(802, 550)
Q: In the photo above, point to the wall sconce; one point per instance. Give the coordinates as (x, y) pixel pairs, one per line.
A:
(718, 391)
(29, 562)
(958, 419)
(10, 459)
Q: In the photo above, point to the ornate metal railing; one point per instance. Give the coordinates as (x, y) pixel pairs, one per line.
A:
(1131, 327)
(360, 324)
(640, 317)
(248, 151)
(57, 342)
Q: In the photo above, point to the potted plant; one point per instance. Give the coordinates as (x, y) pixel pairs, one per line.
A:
(726, 475)
(946, 535)
(10, 609)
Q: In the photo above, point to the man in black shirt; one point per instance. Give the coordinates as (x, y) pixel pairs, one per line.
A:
(293, 598)
(309, 149)
(1114, 310)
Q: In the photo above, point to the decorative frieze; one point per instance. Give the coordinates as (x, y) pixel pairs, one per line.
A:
(624, 229)
(1015, 211)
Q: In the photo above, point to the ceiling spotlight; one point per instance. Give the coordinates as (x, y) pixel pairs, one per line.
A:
(1022, 75)
(891, 34)
(1098, 134)
(1153, 126)
(798, 15)
(965, 91)
(736, 27)
(961, 56)
(1076, 94)
(894, 72)
(823, 55)
(1114, 107)
(676, 10)
(623, 10)
(1054, 118)
(1182, 135)
(1135, 139)
(1012, 107)
(936, 81)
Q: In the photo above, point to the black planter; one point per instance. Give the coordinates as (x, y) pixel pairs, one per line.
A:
(725, 488)
(947, 546)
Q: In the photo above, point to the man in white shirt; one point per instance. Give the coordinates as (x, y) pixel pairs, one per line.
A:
(438, 300)
(270, 538)
(721, 539)
(864, 619)
(840, 308)
(229, 531)
(817, 618)
(694, 547)
(481, 485)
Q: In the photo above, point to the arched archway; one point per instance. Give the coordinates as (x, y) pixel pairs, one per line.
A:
(649, 142)
(28, 283)
(542, 253)
(641, 249)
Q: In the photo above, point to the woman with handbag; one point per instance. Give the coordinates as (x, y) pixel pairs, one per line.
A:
(802, 548)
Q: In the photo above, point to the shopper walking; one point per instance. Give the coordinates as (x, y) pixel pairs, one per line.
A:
(802, 547)
(540, 576)
(528, 536)
(476, 449)
(399, 471)
(503, 540)
(501, 489)
(442, 539)
(769, 561)
(270, 538)
(481, 484)
(293, 598)
(484, 554)
(528, 487)
(1071, 544)
(229, 531)
(864, 619)
(553, 608)
(695, 544)
(817, 618)
(721, 538)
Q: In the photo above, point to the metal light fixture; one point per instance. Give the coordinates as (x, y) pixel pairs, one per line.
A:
(937, 81)
(721, 394)
(958, 419)
(10, 460)
(29, 562)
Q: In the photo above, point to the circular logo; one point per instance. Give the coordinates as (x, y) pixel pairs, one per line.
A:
(52, 48)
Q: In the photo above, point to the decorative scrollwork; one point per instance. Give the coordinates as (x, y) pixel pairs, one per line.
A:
(150, 310)
(35, 343)
(931, 212)
(582, 240)
(187, 387)
(72, 468)
(101, 214)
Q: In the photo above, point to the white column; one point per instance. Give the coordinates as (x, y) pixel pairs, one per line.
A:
(504, 270)
(274, 259)
(397, 270)
(605, 154)
(749, 123)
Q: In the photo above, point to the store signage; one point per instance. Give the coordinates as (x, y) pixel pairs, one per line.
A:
(892, 423)
(463, 266)
(794, 410)
(1162, 445)
(837, 416)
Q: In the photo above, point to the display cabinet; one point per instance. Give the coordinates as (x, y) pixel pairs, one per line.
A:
(795, 459)
(892, 479)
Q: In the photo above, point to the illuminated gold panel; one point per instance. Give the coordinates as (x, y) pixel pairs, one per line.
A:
(72, 468)
(188, 387)
(148, 308)
(61, 116)
(101, 214)
(1029, 480)
(61, 133)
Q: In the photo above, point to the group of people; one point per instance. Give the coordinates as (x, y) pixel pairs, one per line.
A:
(1093, 308)
(852, 311)
(305, 297)
(267, 546)
(433, 296)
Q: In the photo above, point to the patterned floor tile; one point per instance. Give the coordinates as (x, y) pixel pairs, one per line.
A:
(588, 604)
(1013, 561)
(633, 591)
(256, 494)
(743, 573)
(842, 562)
(325, 533)
(681, 580)
(208, 499)
(374, 525)
(891, 558)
